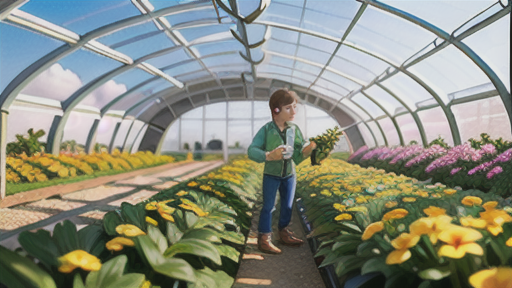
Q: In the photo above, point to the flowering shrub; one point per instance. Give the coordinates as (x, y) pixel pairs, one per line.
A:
(412, 234)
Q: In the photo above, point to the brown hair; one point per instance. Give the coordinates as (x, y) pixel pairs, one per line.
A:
(280, 98)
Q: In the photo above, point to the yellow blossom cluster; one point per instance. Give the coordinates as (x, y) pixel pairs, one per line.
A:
(78, 259)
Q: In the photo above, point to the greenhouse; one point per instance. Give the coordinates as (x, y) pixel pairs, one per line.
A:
(255, 143)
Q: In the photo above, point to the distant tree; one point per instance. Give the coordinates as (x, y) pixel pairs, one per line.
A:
(198, 155)
(186, 146)
(28, 145)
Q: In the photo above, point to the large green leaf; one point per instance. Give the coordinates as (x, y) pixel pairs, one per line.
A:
(377, 264)
(326, 228)
(348, 263)
(158, 238)
(110, 221)
(78, 282)
(228, 251)
(234, 237)
(173, 233)
(203, 234)
(190, 219)
(134, 214)
(111, 275)
(168, 266)
(331, 258)
(18, 271)
(41, 246)
(196, 247)
(91, 239)
(347, 247)
(65, 237)
(217, 279)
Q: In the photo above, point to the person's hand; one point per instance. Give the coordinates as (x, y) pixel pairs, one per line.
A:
(309, 149)
(276, 154)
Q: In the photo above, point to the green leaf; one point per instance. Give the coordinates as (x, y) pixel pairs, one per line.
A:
(323, 251)
(110, 221)
(173, 233)
(435, 273)
(190, 219)
(168, 266)
(203, 234)
(347, 264)
(41, 246)
(325, 229)
(365, 249)
(399, 280)
(228, 251)
(216, 279)
(111, 275)
(196, 247)
(331, 258)
(158, 238)
(132, 280)
(348, 247)
(18, 271)
(425, 284)
(90, 239)
(377, 264)
(134, 214)
(77, 281)
(234, 237)
(65, 237)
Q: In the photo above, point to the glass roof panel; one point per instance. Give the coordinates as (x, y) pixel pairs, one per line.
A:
(279, 46)
(331, 18)
(340, 80)
(409, 128)
(138, 129)
(435, 124)
(377, 133)
(215, 111)
(305, 67)
(81, 16)
(353, 69)
(189, 16)
(238, 132)
(232, 58)
(384, 99)
(22, 118)
(332, 86)
(367, 136)
(447, 15)
(360, 113)
(407, 89)
(20, 48)
(283, 13)
(106, 129)
(141, 48)
(268, 68)
(389, 35)
(368, 105)
(193, 33)
(390, 131)
(239, 109)
(284, 35)
(193, 76)
(492, 44)
(66, 76)
(217, 47)
(230, 70)
(276, 76)
(317, 43)
(326, 92)
(141, 93)
(160, 4)
(169, 58)
(255, 32)
(300, 82)
(129, 34)
(449, 71)
(178, 69)
(304, 76)
(371, 63)
(196, 113)
(313, 55)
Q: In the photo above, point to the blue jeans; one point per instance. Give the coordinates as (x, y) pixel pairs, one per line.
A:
(286, 186)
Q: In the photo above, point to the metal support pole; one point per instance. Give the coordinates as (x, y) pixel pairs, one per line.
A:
(3, 153)
(91, 138)
(126, 137)
(225, 146)
(113, 139)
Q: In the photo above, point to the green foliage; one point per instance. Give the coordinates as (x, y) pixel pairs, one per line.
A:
(186, 146)
(439, 141)
(500, 144)
(29, 146)
(325, 143)
(72, 146)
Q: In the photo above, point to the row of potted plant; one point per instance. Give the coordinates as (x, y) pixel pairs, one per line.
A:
(380, 229)
(190, 235)
(484, 165)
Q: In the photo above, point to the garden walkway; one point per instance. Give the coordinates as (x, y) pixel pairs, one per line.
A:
(87, 201)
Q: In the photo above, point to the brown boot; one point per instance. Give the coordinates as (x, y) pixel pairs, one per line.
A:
(265, 244)
(288, 238)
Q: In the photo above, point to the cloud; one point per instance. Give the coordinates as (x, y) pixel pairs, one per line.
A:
(54, 83)
(58, 83)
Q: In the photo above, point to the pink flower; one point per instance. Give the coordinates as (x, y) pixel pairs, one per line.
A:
(488, 149)
(455, 170)
(359, 151)
(494, 171)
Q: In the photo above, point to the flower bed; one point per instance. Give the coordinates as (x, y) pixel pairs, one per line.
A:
(485, 169)
(190, 235)
(383, 230)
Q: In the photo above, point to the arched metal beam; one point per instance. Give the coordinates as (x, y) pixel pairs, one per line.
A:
(397, 127)
(376, 122)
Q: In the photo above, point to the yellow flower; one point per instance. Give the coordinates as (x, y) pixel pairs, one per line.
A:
(395, 214)
(434, 211)
(189, 205)
(166, 216)
(181, 193)
(312, 195)
(408, 199)
(490, 205)
(372, 229)
(492, 278)
(151, 205)
(469, 221)
(117, 243)
(205, 187)
(391, 204)
(343, 216)
(358, 209)
(471, 201)
(423, 194)
(129, 230)
(402, 244)
(326, 192)
(450, 191)
(460, 240)
(339, 206)
(431, 226)
(495, 218)
(192, 184)
(79, 259)
(509, 242)
(151, 221)
(146, 284)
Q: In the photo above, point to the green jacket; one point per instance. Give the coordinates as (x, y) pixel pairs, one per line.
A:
(267, 139)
